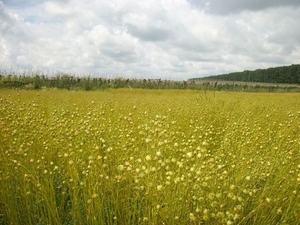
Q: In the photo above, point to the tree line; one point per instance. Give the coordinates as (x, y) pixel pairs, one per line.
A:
(281, 75)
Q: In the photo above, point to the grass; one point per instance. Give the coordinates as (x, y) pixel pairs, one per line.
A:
(149, 157)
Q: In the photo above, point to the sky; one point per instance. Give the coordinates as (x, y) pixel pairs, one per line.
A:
(148, 39)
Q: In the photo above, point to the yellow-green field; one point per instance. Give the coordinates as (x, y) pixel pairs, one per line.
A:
(149, 157)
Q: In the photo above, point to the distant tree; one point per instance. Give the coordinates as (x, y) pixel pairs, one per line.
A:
(283, 74)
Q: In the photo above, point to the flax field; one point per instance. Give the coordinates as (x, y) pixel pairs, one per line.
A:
(149, 157)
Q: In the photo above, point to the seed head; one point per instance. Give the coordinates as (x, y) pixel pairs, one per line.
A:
(121, 167)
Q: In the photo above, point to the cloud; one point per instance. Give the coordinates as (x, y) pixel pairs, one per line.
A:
(175, 39)
(109, 45)
(237, 6)
(149, 26)
(11, 31)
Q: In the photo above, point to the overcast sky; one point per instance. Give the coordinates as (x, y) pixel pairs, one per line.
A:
(168, 39)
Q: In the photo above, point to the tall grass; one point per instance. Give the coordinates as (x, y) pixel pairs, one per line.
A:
(149, 157)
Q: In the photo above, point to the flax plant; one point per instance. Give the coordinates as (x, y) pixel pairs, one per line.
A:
(149, 157)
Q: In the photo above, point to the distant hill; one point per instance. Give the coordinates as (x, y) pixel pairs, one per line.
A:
(284, 75)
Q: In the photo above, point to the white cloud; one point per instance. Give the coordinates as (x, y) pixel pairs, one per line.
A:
(175, 39)
(238, 6)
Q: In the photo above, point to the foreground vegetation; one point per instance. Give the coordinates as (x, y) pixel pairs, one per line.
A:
(37, 80)
(149, 157)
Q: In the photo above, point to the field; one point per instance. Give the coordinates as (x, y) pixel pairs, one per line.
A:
(149, 157)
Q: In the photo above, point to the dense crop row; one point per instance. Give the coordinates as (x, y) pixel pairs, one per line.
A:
(149, 157)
